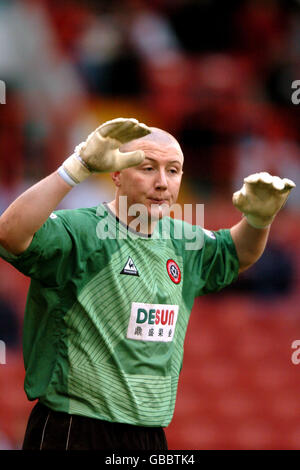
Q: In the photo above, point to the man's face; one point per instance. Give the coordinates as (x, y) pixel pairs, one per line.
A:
(155, 181)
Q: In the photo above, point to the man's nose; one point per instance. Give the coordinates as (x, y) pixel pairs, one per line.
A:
(161, 180)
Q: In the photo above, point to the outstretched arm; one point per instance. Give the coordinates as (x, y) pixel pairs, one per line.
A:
(99, 153)
(250, 242)
(29, 211)
(260, 198)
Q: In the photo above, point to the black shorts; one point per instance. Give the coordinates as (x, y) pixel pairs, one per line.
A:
(54, 430)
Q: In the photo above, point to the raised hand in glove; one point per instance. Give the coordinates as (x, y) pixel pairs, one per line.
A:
(261, 197)
(100, 152)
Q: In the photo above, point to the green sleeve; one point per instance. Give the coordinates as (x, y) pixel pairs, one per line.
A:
(215, 265)
(49, 255)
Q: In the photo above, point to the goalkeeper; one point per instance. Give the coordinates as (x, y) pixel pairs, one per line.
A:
(106, 316)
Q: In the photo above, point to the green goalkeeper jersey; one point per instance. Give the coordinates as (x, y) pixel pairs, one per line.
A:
(108, 308)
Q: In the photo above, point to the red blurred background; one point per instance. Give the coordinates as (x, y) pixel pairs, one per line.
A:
(219, 78)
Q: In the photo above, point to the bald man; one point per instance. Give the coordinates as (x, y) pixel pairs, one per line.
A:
(109, 300)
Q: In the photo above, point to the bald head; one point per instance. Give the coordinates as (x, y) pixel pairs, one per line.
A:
(157, 136)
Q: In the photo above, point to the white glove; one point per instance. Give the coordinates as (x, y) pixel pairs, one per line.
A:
(100, 152)
(261, 197)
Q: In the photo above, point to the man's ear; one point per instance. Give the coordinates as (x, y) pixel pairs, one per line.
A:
(116, 177)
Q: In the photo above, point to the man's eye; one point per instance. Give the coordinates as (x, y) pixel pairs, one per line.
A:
(173, 171)
(148, 168)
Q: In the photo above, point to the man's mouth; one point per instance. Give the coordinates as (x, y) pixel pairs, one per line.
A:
(158, 201)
